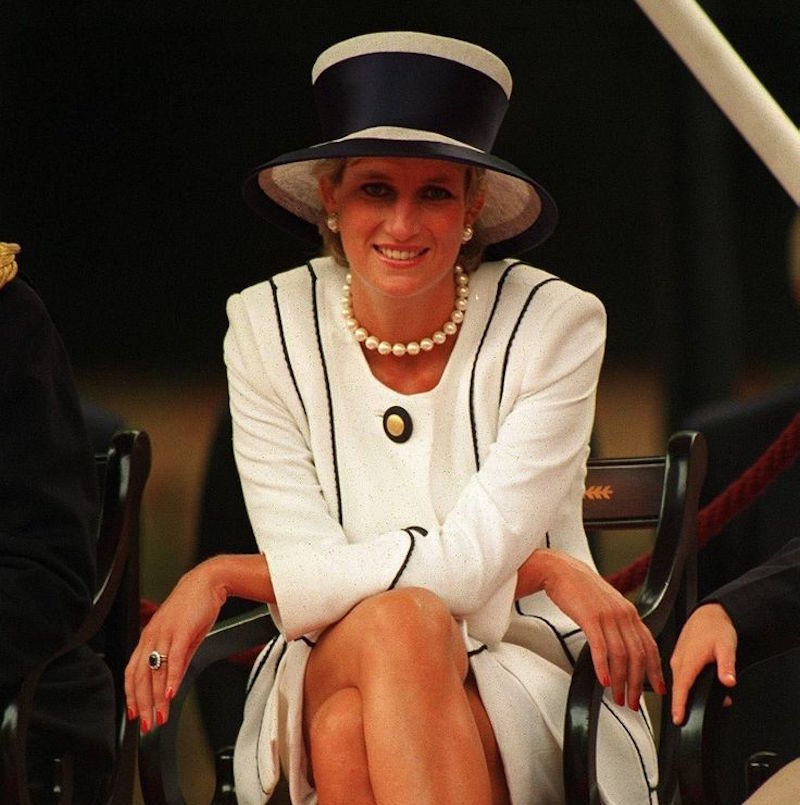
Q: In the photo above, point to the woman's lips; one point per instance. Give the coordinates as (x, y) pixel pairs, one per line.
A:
(391, 253)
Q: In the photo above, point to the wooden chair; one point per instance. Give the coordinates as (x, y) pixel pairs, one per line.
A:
(633, 492)
(662, 493)
(112, 624)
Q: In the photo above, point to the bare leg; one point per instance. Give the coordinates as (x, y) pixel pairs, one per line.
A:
(402, 653)
(494, 762)
(338, 753)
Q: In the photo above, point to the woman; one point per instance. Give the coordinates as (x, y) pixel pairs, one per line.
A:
(411, 434)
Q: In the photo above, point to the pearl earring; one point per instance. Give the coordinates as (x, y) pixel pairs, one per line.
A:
(466, 235)
(332, 222)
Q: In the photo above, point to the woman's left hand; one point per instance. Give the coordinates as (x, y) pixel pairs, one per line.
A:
(624, 652)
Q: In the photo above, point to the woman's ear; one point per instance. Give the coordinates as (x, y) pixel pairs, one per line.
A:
(327, 194)
(475, 208)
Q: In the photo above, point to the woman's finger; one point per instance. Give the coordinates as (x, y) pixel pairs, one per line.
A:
(654, 669)
(158, 662)
(637, 658)
(599, 652)
(618, 660)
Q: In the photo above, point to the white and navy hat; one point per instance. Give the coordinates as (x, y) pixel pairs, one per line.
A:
(407, 94)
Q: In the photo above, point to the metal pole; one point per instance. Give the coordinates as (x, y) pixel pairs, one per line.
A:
(728, 80)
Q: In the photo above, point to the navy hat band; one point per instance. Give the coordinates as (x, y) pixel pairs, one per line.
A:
(396, 89)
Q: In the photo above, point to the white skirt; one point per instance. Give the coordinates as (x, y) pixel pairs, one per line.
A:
(523, 685)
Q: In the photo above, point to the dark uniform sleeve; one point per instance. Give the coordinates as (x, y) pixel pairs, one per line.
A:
(764, 605)
(48, 490)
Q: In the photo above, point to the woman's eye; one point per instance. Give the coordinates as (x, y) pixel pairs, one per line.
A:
(435, 193)
(375, 190)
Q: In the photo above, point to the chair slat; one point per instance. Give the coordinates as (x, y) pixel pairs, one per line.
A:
(623, 493)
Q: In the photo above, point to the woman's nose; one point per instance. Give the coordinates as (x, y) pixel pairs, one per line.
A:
(403, 219)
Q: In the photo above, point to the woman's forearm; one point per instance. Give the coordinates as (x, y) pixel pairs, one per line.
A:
(532, 576)
(240, 575)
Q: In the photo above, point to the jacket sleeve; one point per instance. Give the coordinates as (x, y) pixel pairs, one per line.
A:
(764, 605)
(48, 495)
(501, 516)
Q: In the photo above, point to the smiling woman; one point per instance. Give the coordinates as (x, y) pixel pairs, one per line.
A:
(330, 171)
(411, 418)
(402, 222)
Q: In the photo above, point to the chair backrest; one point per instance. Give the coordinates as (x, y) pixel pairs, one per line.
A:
(111, 626)
(114, 617)
(661, 493)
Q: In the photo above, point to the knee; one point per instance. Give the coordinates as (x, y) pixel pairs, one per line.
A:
(337, 726)
(409, 611)
(412, 623)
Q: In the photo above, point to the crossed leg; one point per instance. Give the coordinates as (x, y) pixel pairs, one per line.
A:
(391, 712)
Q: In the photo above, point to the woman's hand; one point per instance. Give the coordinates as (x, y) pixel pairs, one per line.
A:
(176, 630)
(708, 636)
(623, 650)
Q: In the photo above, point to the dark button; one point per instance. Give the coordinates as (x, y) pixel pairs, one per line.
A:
(397, 424)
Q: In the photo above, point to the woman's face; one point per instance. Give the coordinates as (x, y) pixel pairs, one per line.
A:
(401, 221)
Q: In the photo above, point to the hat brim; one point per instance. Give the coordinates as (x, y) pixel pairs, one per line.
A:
(518, 215)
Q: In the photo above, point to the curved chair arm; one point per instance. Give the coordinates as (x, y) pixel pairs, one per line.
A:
(158, 759)
(580, 732)
(667, 595)
(698, 738)
(670, 586)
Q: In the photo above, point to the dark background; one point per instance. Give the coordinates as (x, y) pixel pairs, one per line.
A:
(125, 129)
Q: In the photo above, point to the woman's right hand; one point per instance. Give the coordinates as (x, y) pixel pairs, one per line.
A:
(179, 625)
(175, 631)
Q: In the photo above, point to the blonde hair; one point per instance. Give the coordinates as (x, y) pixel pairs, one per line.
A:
(471, 253)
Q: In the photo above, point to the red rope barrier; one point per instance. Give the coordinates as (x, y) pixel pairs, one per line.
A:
(712, 518)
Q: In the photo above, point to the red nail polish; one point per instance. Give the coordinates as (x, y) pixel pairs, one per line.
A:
(159, 718)
(144, 726)
(131, 714)
(170, 694)
(606, 681)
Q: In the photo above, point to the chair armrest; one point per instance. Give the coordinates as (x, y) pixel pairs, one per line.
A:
(580, 732)
(667, 595)
(670, 586)
(158, 758)
(697, 738)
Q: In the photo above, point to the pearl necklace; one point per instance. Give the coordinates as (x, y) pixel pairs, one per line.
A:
(450, 327)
